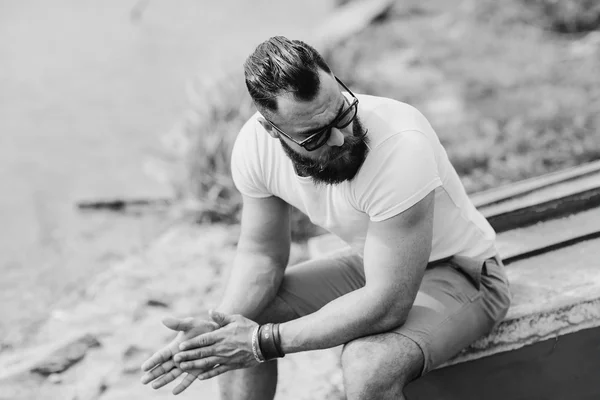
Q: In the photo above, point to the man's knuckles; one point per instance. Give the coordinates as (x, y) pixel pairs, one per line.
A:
(203, 364)
(192, 355)
(199, 341)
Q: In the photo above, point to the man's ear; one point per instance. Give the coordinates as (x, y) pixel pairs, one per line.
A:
(268, 127)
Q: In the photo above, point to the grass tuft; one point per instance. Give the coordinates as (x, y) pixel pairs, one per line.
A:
(568, 16)
(218, 109)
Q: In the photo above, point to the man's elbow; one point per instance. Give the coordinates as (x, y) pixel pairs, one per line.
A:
(391, 319)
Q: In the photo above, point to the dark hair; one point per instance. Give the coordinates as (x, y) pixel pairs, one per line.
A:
(280, 65)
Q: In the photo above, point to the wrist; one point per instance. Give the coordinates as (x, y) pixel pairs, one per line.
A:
(269, 340)
(258, 356)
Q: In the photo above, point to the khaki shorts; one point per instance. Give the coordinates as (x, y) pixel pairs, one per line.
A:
(453, 308)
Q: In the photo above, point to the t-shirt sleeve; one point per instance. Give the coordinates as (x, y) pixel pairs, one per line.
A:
(399, 173)
(246, 170)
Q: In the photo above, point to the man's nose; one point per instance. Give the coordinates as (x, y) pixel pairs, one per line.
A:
(336, 138)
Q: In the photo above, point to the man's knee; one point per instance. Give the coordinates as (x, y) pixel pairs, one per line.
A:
(276, 311)
(384, 362)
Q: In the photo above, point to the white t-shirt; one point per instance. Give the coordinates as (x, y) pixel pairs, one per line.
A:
(406, 161)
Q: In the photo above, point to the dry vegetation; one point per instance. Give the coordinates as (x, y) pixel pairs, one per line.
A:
(512, 88)
(510, 93)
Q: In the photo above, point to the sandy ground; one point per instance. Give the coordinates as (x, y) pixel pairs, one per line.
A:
(121, 309)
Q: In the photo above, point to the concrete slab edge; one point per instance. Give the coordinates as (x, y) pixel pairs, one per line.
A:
(513, 334)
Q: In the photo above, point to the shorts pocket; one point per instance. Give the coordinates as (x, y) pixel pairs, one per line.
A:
(471, 269)
(496, 284)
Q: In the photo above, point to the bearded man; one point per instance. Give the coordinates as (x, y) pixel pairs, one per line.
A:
(421, 279)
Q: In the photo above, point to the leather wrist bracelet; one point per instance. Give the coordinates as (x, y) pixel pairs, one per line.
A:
(266, 340)
(277, 339)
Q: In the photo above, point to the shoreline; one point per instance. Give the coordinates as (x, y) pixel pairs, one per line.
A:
(89, 91)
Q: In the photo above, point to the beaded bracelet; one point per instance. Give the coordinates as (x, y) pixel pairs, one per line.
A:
(258, 356)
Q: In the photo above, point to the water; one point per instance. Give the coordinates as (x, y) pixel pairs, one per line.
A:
(86, 90)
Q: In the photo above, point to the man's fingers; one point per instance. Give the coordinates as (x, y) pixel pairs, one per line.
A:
(167, 378)
(178, 324)
(157, 358)
(185, 383)
(158, 371)
(218, 370)
(202, 364)
(199, 341)
(194, 354)
(220, 318)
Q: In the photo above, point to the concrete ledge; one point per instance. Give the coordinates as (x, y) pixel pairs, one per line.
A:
(554, 294)
(560, 368)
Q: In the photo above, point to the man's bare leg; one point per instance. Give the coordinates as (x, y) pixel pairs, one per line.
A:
(251, 383)
(380, 366)
(259, 383)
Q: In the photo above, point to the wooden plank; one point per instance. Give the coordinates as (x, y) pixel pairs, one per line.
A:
(552, 247)
(562, 189)
(518, 189)
(548, 236)
(562, 368)
(510, 216)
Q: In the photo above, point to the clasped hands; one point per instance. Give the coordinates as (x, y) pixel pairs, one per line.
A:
(202, 348)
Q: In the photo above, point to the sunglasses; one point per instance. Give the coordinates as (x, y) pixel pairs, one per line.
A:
(319, 138)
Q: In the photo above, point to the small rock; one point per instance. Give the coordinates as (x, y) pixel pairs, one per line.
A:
(587, 46)
(133, 357)
(63, 358)
(5, 346)
(157, 303)
(60, 315)
(55, 378)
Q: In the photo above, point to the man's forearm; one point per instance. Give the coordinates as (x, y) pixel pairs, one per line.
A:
(253, 283)
(396, 254)
(348, 317)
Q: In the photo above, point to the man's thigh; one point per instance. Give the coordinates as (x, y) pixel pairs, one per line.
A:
(448, 314)
(308, 286)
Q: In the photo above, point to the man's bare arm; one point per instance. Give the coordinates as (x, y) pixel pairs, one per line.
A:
(261, 257)
(396, 254)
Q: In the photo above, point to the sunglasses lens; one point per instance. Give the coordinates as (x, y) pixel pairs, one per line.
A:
(345, 119)
(318, 141)
(348, 117)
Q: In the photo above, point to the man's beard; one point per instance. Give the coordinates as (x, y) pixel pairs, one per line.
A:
(339, 164)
